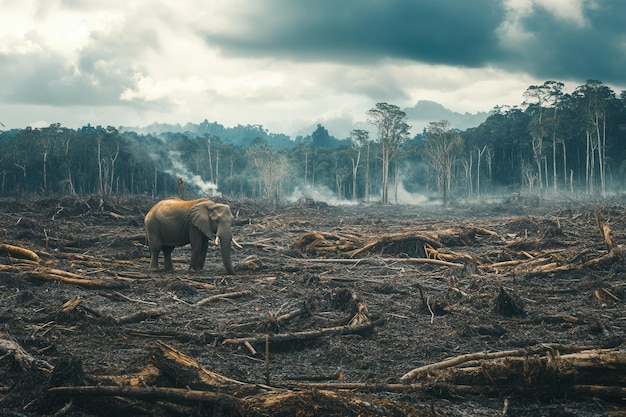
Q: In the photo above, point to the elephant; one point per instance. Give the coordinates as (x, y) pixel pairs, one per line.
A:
(174, 222)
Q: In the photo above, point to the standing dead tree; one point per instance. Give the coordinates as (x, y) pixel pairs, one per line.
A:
(441, 147)
(392, 132)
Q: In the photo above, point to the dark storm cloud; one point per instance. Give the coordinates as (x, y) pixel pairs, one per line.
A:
(562, 49)
(449, 32)
(443, 31)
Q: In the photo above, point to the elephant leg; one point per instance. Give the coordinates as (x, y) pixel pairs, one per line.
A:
(154, 259)
(196, 250)
(167, 258)
(203, 251)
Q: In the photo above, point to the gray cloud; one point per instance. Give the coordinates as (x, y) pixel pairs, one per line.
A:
(561, 49)
(51, 80)
(98, 74)
(448, 32)
(442, 32)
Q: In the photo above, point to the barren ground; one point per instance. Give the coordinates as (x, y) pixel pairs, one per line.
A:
(330, 307)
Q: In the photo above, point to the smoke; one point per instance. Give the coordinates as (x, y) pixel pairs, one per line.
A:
(179, 170)
(319, 193)
(406, 197)
(324, 194)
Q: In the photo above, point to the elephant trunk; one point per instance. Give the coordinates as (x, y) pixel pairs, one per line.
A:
(225, 238)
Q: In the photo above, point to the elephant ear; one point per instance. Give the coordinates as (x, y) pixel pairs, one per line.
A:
(200, 216)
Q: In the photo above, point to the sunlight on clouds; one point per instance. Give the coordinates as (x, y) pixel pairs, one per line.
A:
(61, 32)
(512, 32)
(251, 85)
(149, 89)
(568, 10)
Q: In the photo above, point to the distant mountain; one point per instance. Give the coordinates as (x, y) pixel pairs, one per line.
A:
(425, 111)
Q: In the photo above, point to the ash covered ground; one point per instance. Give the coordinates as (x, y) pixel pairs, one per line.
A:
(306, 268)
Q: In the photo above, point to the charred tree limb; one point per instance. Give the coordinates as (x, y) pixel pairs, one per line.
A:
(224, 296)
(139, 316)
(186, 370)
(526, 370)
(152, 394)
(283, 338)
(51, 274)
(384, 261)
(24, 359)
(19, 252)
(458, 360)
(147, 376)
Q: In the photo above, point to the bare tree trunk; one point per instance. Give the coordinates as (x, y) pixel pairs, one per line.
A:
(601, 156)
(306, 168)
(45, 172)
(564, 163)
(154, 188)
(210, 159)
(480, 154)
(46, 149)
(367, 175)
(100, 176)
(587, 165)
(113, 159)
(355, 167)
(396, 182)
(554, 161)
(385, 197)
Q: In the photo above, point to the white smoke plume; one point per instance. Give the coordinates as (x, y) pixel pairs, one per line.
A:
(319, 193)
(179, 170)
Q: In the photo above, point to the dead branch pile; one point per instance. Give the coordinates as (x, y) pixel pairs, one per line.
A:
(408, 244)
(544, 371)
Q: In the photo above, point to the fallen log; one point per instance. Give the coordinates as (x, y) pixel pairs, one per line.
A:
(282, 338)
(225, 401)
(48, 274)
(224, 296)
(384, 261)
(525, 371)
(303, 403)
(139, 316)
(19, 252)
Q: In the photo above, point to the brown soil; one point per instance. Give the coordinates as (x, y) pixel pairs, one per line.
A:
(336, 304)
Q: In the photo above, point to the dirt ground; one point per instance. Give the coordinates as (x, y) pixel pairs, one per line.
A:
(329, 312)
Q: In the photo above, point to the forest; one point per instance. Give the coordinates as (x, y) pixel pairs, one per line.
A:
(553, 143)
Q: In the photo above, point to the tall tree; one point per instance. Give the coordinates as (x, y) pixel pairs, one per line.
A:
(360, 140)
(594, 98)
(441, 148)
(393, 130)
(536, 98)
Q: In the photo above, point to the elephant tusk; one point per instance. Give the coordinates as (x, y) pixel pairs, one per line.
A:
(235, 243)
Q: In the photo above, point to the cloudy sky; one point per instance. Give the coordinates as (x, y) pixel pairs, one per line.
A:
(289, 64)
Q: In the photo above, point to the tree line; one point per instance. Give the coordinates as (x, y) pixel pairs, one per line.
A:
(552, 143)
